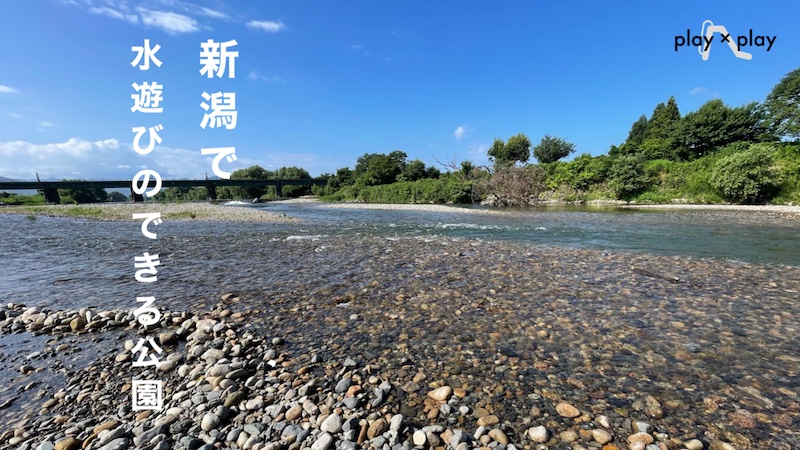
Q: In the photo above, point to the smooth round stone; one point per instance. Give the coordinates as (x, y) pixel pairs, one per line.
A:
(441, 394)
(209, 422)
(601, 436)
(538, 434)
(323, 442)
(332, 424)
(255, 403)
(694, 444)
(566, 410)
(419, 438)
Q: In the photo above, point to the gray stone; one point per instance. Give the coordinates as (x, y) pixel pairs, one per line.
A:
(209, 422)
(117, 444)
(396, 422)
(343, 385)
(323, 442)
(333, 424)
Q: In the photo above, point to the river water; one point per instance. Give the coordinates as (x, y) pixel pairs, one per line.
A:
(697, 308)
(756, 237)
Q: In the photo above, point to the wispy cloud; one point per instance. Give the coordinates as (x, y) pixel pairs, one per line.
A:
(213, 13)
(266, 25)
(121, 14)
(7, 89)
(14, 115)
(460, 132)
(172, 23)
(255, 76)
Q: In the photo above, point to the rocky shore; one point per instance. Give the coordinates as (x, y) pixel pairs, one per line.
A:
(229, 388)
(169, 211)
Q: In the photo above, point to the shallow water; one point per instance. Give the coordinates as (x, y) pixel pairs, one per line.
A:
(739, 235)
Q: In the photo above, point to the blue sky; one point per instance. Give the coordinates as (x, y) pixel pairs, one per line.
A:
(320, 83)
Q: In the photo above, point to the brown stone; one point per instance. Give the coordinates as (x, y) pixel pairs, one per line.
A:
(377, 428)
(566, 410)
(487, 421)
(69, 443)
(77, 324)
(108, 425)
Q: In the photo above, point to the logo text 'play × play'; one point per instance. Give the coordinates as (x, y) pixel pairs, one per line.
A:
(704, 40)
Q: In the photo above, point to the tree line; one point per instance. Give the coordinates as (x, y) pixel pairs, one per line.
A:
(718, 153)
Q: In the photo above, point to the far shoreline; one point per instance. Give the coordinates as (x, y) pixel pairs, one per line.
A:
(242, 211)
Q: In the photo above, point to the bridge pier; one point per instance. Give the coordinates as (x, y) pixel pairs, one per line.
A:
(51, 195)
(279, 190)
(211, 189)
(137, 198)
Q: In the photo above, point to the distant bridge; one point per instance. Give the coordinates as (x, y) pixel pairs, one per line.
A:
(49, 189)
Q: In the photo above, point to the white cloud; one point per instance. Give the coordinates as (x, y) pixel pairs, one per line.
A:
(15, 115)
(103, 159)
(266, 25)
(172, 23)
(47, 124)
(255, 76)
(697, 90)
(7, 90)
(212, 13)
(460, 132)
(116, 14)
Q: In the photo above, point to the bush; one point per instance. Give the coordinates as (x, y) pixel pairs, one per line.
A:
(627, 176)
(746, 177)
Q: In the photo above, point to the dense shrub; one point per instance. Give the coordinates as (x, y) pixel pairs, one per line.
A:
(747, 176)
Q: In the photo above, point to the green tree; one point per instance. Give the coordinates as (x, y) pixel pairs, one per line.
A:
(84, 195)
(413, 171)
(374, 169)
(496, 152)
(746, 177)
(782, 106)
(714, 125)
(432, 172)
(518, 148)
(292, 173)
(116, 196)
(627, 176)
(638, 131)
(250, 173)
(551, 149)
(663, 121)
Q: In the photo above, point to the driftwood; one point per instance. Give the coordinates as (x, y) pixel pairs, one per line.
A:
(661, 276)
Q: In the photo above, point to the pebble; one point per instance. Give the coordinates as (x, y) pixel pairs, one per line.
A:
(377, 428)
(332, 424)
(601, 436)
(538, 434)
(209, 422)
(323, 442)
(498, 435)
(441, 394)
(567, 410)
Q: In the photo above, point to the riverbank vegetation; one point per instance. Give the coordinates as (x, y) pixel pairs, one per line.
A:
(716, 154)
